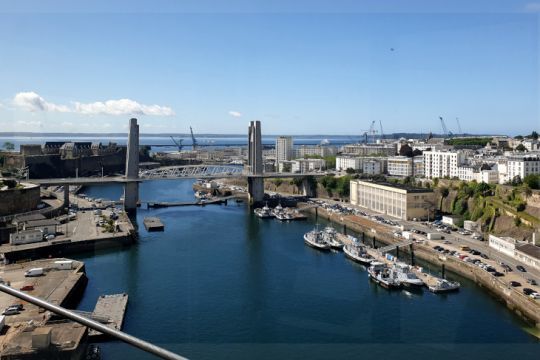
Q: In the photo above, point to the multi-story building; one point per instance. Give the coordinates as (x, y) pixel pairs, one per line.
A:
(307, 165)
(400, 201)
(418, 166)
(369, 149)
(439, 164)
(284, 148)
(316, 150)
(400, 166)
(523, 165)
(528, 254)
(348, 162)
(372, 167)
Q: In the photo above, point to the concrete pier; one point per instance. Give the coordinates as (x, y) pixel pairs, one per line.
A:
(153, 224)
(112, 307)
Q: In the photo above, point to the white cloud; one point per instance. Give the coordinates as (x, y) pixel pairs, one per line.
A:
(235, 114)
(30, 101)
(532, 7)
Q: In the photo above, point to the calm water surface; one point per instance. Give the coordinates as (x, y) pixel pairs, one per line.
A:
(222, 284)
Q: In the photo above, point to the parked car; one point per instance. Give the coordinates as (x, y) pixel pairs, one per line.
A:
(10, 311)
(19, 307)
(521, 268)
(27, 288)
(515, 284)
(497, 274)
(527, 291)
(532, 282)
(534, 295)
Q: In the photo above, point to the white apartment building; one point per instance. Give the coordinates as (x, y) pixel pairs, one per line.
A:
(317, 150)
(348, 162)
(284, 148)
(400, 166)
(522, 165)
(372, 167)
(308, 165)
(438, 164)
(418, 166)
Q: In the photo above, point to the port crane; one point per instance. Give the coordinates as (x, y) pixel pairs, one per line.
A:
(459, 126)
(194, 143)
(371, 132)
(445, 129)
(178, 143)
(382, 133)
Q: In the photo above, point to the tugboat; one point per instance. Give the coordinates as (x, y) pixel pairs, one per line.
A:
(406, 277)
(381, 274)
(316, 240)
(264, 212)
(443, 286)
(329, 235)
(358, 253)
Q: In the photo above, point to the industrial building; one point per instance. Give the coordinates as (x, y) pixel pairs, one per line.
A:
(400, 201)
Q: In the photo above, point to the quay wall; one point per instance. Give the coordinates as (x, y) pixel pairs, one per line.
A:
(519, 303)
(62, 249)
(19, 200)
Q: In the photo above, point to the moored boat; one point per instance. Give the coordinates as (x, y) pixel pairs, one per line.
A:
(329, 235)
(443, 285)
(358, 253)
(314, 239)
(406, 277)
(381, 274)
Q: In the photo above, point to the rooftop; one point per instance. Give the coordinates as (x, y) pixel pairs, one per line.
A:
(531, 250)
(407, 188)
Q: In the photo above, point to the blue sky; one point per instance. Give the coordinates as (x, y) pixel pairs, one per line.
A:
(303, 68)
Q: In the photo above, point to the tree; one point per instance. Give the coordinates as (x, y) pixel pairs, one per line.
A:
(350, 171)
(534, 135)
(518, 137)
(533, 181)
(444, 191)
(417, 152)
(9, 146)
(521, 148)
(526, 190)
(516, 181)
(406, 150)
(287, 167)
(520, 206)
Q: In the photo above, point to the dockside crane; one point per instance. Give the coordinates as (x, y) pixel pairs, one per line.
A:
(194, 143)
(445, 129)
(178, 143)
(382, 133)
(459, 126)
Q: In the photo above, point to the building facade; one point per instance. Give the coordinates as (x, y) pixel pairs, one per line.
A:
(308, 165)
(316, 150)
(284, 148)
(399, 201)
(523, 165)
(440, 164)
(369, 149)
(348, 162)
(400, 166)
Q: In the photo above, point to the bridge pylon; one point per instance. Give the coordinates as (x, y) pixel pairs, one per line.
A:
(255, 163)
(131, 188)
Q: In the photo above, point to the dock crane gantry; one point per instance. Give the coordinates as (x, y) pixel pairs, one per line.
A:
(445, 129)
(178, 143)
(193, 140)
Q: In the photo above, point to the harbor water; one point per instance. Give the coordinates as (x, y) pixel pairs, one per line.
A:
(220, 283)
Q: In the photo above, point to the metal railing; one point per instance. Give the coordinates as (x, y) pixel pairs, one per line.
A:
(131, 340)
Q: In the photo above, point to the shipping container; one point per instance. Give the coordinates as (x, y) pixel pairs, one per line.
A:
(63, 264)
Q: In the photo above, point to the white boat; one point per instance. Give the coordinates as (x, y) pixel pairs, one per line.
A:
(201, 195)
(358, 253)
(315, 239)
(264, 212)
(406, 276)
(381, 274)
(329, 235)
(443, 285)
